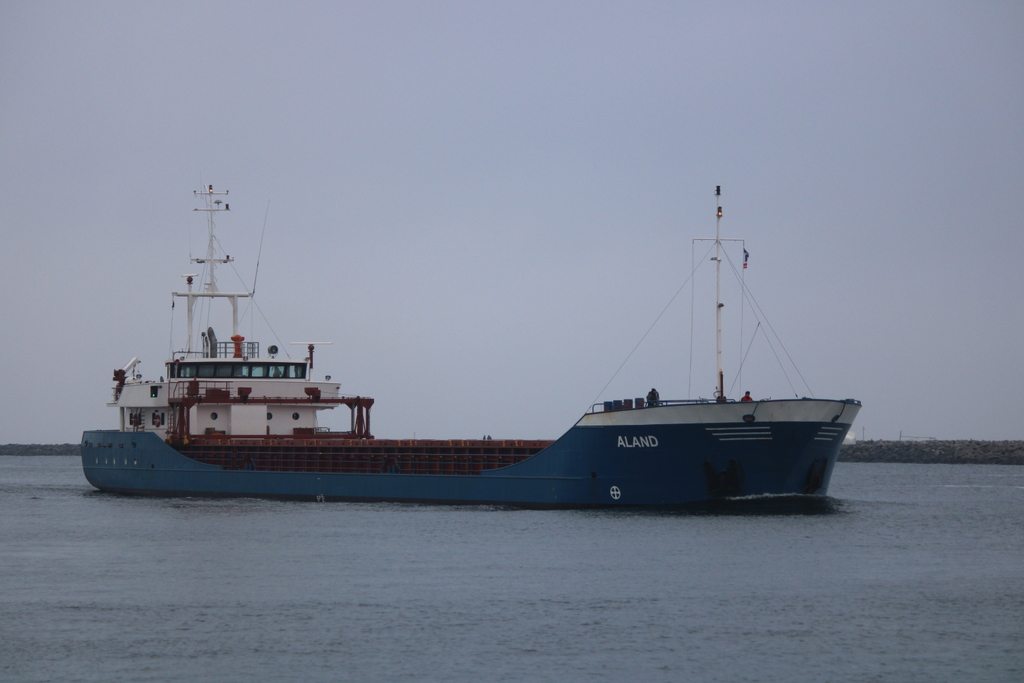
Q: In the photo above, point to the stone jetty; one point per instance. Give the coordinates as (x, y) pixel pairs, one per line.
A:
(943, 452)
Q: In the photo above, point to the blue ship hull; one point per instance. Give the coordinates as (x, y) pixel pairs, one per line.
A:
(657, 456)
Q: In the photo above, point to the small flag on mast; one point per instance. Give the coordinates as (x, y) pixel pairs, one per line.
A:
(745, 257)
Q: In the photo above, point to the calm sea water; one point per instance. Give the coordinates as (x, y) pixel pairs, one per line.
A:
(913, 573)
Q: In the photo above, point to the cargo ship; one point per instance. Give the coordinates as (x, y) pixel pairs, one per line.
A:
(230, 418)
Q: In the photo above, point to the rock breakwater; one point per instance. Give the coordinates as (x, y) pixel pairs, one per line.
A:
(942, 452)
(40, 449)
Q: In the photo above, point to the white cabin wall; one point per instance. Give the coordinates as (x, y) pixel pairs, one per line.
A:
(255, 419)
(248, 419)
(138, 398)
(284, 420)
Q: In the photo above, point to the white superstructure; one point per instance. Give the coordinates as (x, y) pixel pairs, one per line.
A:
(226, 387)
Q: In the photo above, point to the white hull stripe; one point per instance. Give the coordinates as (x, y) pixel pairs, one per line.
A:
(828, 433)
(759, 433)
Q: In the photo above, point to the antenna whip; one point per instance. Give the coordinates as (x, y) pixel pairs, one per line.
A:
(260, 252)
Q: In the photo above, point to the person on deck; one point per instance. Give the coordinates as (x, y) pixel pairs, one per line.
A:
(746, 397)
(653, 397)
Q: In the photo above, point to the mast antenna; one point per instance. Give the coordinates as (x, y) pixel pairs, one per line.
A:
(717, 258)
(209, 289)
(720, 393)
(260, 252)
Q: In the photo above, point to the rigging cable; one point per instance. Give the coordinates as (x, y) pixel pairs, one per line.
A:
(630, 355)
(743, 358)
(252, 293)
(693, 302)
(756, 309)
(259, 253)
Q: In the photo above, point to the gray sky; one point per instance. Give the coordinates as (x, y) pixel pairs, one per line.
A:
(485, 205)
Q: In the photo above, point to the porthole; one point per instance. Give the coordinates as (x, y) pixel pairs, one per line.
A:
(270, 416)
(213, 416)
(295, 416)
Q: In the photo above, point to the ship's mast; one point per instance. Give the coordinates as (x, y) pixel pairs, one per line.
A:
(212, 206)
(720, 394)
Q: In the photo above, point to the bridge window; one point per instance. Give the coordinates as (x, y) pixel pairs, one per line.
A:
(225, 370)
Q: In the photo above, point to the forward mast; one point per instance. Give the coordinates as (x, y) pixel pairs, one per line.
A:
(719, 305)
